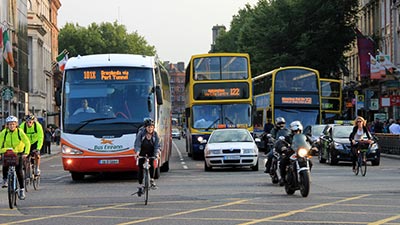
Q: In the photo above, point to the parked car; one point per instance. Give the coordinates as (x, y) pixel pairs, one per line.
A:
(176, 133)
(231, 148)
(335, 145)
(315, 132)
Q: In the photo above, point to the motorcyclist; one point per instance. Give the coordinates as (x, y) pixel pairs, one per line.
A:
(296, 128)
(278, 130)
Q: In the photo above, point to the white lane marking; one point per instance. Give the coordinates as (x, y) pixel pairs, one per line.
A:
(180, 156)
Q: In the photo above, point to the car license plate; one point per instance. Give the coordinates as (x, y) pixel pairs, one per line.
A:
(109, 161)
(227, 157)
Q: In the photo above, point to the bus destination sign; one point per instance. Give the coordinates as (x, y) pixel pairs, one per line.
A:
(215, 91)
(106, 75)
(297, 100)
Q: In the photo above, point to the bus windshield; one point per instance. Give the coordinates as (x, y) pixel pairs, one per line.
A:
(232, 115)
(306, 116)
(114, 103)
(296, 80)
(220, 68)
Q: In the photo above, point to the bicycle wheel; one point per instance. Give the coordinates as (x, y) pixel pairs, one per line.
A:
(363, 164)
(36, 181)
(146, 186)
(360, 163)
(12, 189)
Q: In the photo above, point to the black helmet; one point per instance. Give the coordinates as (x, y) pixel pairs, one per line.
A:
(30, 117)
(148, 122)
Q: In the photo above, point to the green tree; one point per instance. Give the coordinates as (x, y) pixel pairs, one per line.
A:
(100, 39)
(293, 32)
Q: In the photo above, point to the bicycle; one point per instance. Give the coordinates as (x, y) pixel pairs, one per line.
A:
(10, 158)
(29, 173)
(361, 165)
(146, 177)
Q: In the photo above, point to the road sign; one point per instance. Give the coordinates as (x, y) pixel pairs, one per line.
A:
(360, 98)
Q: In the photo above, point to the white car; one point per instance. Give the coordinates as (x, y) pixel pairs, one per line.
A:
(230, 148)
(176, 133)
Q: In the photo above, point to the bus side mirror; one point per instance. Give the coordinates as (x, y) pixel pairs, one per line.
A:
(57, 97)
(159, 95)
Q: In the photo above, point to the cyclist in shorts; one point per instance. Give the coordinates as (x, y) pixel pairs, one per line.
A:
(33, 129)
(15, 138)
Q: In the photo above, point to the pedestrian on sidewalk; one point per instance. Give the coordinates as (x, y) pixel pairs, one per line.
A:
(47, 140)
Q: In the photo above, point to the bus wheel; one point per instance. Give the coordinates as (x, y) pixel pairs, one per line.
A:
(165, 167)
(157, 173)
(77, 176)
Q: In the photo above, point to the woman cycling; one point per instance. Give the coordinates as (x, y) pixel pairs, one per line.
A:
(147, 143)
(15, 138)
(357, 138)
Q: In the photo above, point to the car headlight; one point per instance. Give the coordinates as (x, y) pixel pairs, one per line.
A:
(374, 147)
(212, 151)
(70, 151)
(302, 152)
(338, 146)
(248, 151)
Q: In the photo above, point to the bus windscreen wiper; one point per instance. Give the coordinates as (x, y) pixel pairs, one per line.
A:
(86, 122)
(212, 124)
(230, 121)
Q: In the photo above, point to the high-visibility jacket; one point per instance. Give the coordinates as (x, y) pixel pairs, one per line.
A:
(34, 133)
(17, 140)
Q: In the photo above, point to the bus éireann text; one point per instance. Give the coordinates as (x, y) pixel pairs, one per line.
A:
(104, 101)
(218, 95)
(291, 92)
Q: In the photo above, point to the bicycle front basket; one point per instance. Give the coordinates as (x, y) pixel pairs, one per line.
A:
(10, 158)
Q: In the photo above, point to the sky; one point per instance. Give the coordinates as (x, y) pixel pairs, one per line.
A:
(177, 28)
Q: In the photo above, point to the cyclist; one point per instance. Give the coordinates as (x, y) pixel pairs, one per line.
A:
(33, 129)
(280, 129)
(147, 143)
(15, 138)
(356, 138)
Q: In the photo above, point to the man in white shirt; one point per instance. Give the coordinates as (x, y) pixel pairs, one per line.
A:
(85, 108)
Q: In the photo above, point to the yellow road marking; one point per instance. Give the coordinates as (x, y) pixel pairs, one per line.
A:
(67, 214)
(301, 210)
(184, 212)
(385, 220)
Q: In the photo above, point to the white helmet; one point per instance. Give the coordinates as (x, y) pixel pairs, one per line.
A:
(11, 119)
(296, 125)
(280, 122)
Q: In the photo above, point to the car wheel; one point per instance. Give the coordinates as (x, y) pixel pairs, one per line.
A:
(206, 167)
(255, 167)
(376, 162)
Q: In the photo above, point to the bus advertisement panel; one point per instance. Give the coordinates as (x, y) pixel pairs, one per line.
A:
(105, 99)
(290, 92)
(218, 95)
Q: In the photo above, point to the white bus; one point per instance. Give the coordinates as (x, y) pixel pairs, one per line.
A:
(104, 99)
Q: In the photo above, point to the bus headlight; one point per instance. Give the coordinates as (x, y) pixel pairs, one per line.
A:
(200, 139)
(70, 151)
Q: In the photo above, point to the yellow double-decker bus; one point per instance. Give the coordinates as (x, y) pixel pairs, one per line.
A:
(218, 95)
(331, 98)
(291, 92)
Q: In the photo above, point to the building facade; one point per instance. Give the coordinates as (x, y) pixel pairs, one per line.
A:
(377, 97)
(177, 79)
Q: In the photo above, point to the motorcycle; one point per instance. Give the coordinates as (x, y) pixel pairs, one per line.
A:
(277, 147)
(298, 170)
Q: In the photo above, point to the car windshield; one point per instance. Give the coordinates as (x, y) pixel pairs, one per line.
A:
(219, 136)
(342, 131)
(317, 130)
(175, 131)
